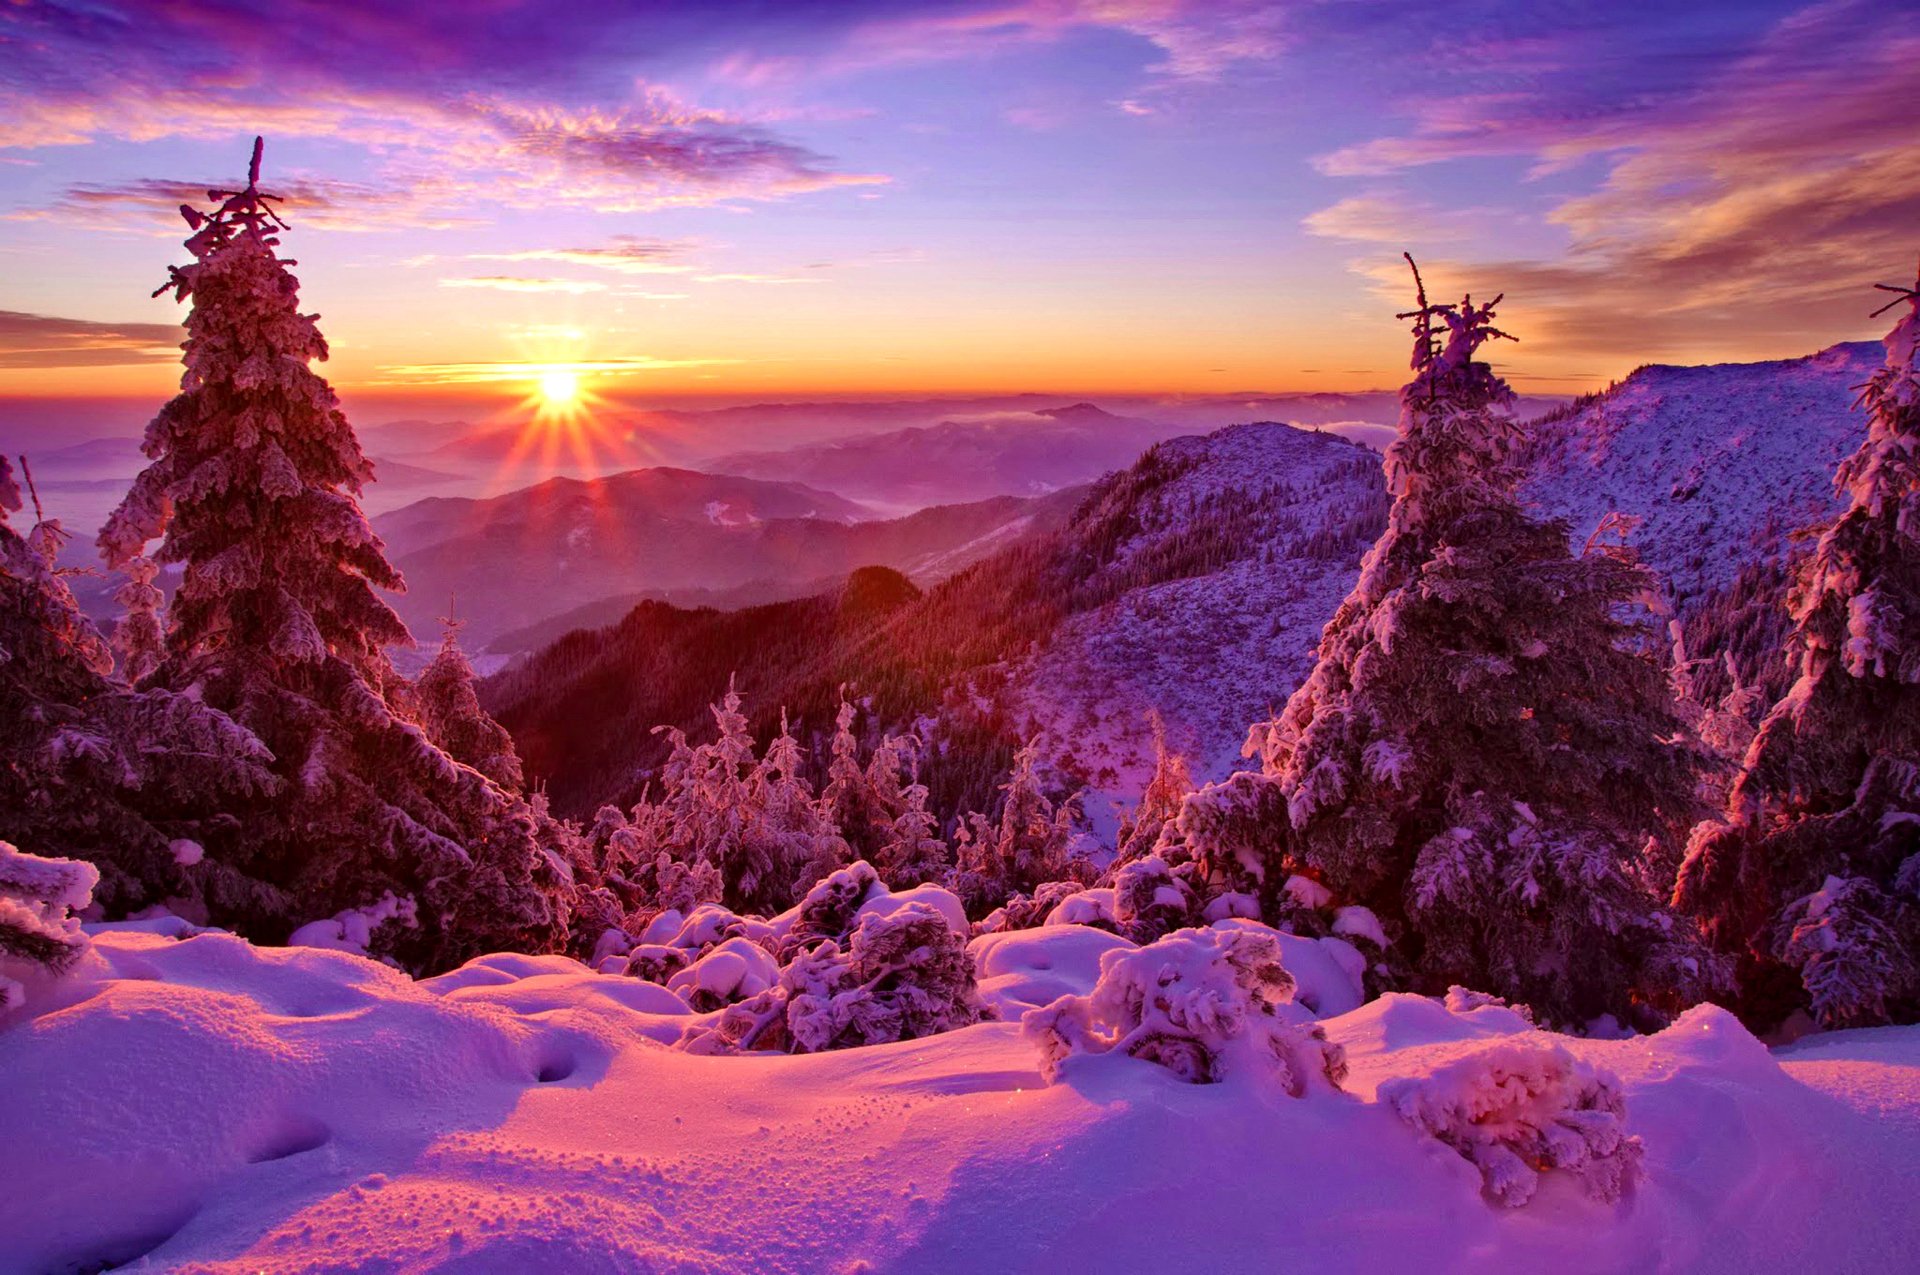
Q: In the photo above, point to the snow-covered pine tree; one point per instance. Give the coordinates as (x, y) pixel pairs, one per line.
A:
(279, 623)
(132, 782)
(849, 801)
(449, 711)
(1812, 876)
(139, 637)
(1482, 751)
(1029, 847)
(1140, 831)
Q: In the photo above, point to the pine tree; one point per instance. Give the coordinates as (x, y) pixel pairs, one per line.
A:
(89, 770)
(1812, 876)
(448, 708)
(1482, 752)
(278, 622)
(1027, 848)
(139, 637)
(850, 801)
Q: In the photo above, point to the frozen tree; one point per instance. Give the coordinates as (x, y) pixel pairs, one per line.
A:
(1487, 742)
(278, 622)
(851, 802)
(1516, 1111)
(1160, 803)
(912, 852)
(1028, 847)
(1205, 1004)
(1149, 901)
(138, 637)
(38, 926)
(903, 975)
(448, 709)
(93, 771)
(1812, 874)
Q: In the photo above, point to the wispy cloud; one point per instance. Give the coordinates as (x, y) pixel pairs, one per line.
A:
(520, 283)
(625, 254)
(1745, 208)
(492, 373)
(44, 341)
(523, 106)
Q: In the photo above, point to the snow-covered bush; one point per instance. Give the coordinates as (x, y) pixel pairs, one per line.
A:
(1149, 900)
(1205, 1004)
(1027, 912)
(38, 928)
(1516, 1111)
(904, 974)
(1091, 908)
(733, 970)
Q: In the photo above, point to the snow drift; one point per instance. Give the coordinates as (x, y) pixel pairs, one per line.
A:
(195, 1103)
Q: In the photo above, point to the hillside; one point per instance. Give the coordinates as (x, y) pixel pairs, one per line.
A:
(1233, 548)
(520, 559)
(1724, 465)
(1197, 581)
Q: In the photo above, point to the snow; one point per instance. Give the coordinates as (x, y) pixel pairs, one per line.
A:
(200, 1104)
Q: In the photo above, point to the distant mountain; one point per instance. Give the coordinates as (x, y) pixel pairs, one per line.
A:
(1001, 453)
(516, 560)
(1196, 581)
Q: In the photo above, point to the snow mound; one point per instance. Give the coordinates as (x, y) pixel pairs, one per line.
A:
(1516, 1111)
(198, 1104)
(1204, 1004)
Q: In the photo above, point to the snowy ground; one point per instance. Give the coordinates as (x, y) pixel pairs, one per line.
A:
(205, 1105)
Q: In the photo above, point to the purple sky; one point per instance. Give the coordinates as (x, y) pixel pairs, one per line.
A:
(1076, 195)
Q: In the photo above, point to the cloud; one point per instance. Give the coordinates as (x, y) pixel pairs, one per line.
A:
(746, 277)
(323, 204)
(1741, 209)
(626, 254)
(43, 341)
(524, 105)
(494, 372)
(517, 283)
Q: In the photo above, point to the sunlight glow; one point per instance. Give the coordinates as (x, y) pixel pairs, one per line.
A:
(559, 388)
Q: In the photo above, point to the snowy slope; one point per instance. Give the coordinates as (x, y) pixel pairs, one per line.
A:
(1214, 651)
(203, 1105)
(1722, 461)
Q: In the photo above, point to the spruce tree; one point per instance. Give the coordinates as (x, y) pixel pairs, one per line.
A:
(278, 621)
(139, 637)
(448, 709)
(1812, 876)
(1486, 746)
(135, 783)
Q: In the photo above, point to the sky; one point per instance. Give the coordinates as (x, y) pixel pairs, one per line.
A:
(749, 198)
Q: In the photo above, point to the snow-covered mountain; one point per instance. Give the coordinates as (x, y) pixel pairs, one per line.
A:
(1721, 463)
(1194, 581)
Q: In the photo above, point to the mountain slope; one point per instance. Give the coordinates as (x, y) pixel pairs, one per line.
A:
(1725, 466)
(1207, 553)
(519, 559)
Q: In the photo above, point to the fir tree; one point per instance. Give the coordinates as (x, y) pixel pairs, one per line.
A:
(139, 637)
(1482, 752)
(448, 708)
(89, 770)
(1812, 876)
(278, 621)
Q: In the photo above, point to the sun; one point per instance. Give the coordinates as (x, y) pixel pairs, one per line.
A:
(559, 389)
